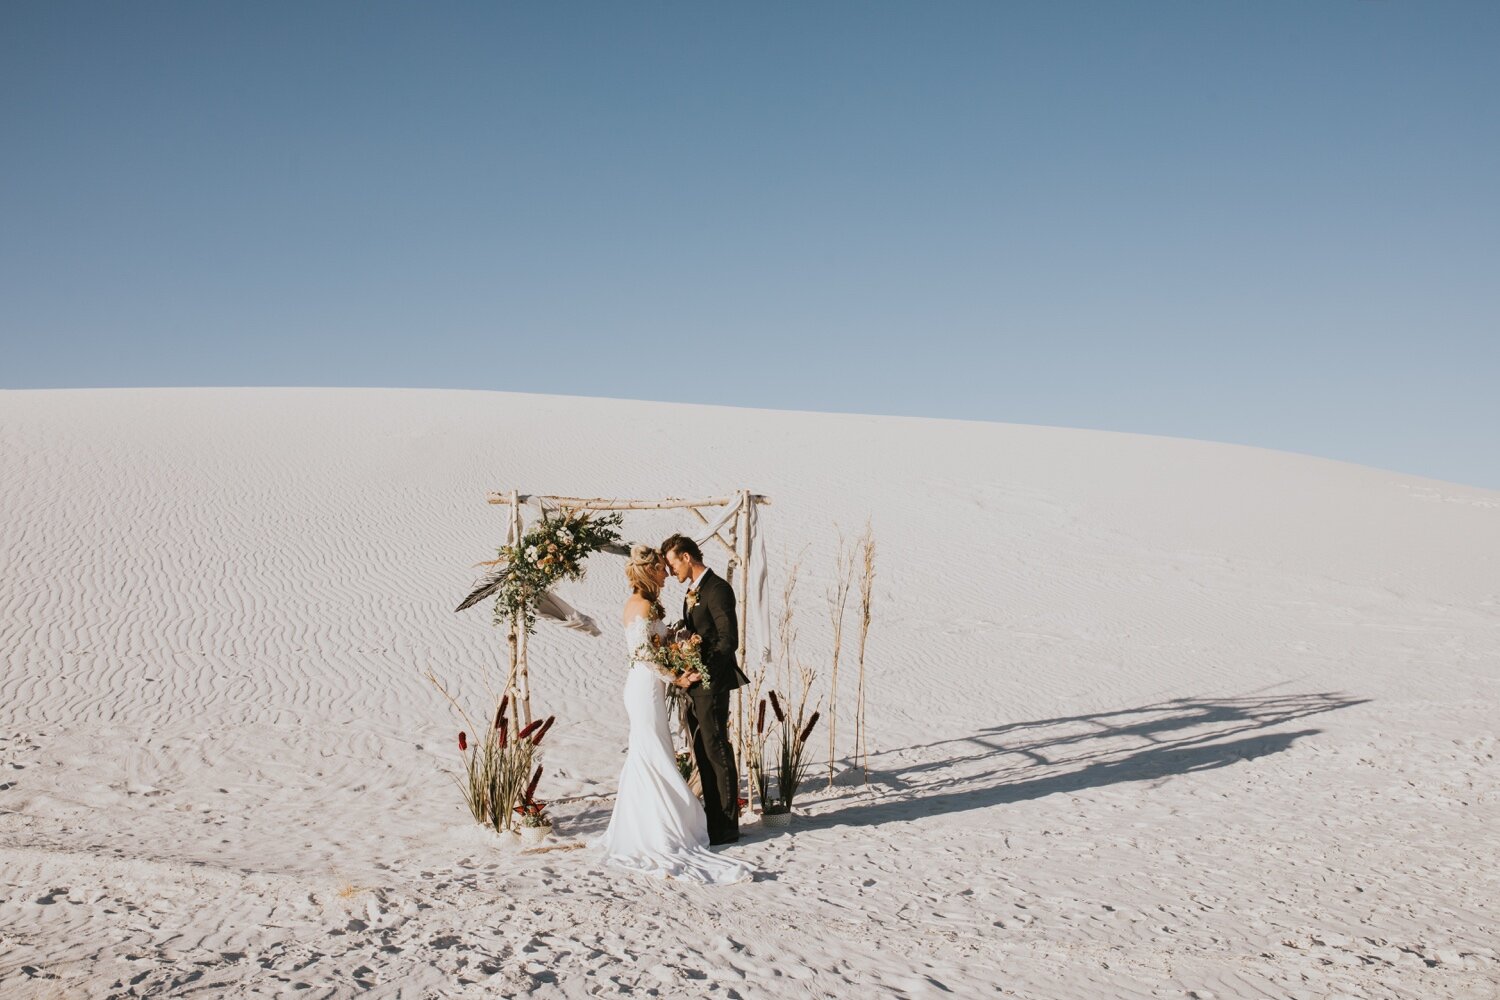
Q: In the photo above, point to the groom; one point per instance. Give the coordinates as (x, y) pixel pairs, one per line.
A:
(708, 611)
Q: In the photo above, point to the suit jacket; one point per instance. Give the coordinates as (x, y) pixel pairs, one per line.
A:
(713, 618)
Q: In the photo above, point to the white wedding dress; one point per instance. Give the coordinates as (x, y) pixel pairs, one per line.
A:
(658, 826)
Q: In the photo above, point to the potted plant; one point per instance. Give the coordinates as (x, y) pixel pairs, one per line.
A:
(536, 825)
(788, 765)
(496, 764)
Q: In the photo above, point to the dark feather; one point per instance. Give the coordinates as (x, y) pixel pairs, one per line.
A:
(486, 587)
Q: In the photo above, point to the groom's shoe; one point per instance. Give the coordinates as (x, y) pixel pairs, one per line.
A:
(732, 838)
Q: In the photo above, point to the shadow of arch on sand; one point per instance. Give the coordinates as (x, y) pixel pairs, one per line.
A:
(1028, 760)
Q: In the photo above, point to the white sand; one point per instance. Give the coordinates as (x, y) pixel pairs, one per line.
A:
(1154, 717)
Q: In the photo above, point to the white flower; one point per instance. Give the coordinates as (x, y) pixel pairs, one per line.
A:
(565, 537)
(531, 553)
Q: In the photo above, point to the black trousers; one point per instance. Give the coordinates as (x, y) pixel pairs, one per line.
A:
(707, 716)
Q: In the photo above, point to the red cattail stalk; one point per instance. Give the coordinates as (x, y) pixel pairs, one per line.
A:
(531, 788)
(776, 707)
(760, 718)
(807, 730)
(504, 728)
(543, 731)
(463, 741)
(530, 727)
(500, 712)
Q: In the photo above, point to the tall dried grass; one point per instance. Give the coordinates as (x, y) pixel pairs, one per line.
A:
(838, 602)
(866, 547)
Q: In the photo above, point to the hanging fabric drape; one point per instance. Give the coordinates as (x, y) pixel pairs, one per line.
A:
(757, 600)
(757, 606)
(556, 609)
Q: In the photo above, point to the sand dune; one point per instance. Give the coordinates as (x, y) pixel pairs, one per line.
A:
(1152, 717)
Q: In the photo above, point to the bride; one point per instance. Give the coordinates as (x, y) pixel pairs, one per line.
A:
(658, 826)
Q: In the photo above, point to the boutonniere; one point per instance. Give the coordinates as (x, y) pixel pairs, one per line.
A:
(692, 599)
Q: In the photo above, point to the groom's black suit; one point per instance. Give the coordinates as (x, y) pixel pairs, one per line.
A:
(712, 617)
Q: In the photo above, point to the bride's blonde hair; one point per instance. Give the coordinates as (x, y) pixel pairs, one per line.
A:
(641, 571)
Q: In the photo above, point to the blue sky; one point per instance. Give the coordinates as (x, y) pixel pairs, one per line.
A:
(1272, 223)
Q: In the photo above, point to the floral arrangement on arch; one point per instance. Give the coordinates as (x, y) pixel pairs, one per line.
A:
(554, 549)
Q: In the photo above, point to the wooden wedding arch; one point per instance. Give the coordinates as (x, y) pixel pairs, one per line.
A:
(737, 535)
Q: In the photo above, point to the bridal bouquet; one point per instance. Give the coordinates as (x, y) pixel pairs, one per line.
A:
(680, 656)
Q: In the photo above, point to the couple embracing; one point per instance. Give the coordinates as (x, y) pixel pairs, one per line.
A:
(658, 826)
